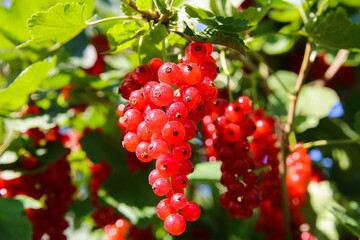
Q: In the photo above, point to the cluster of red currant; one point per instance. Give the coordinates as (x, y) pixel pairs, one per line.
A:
(52, 184)
(264, 149)
(165, 102)
(226, 133)
(299, 171)
(122, 229)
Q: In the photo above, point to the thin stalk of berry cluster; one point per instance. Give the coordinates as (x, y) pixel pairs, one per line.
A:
(116, 18)
(304, 69)
(139, 49)
(163, 51)
(227, 73)
(320, 143)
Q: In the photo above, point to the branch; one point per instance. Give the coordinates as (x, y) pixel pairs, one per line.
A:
(304, 69)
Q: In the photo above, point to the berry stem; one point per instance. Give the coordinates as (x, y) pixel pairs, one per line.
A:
(227, 73)
(320, 143)
(141, 38)
(116, 18)
(307, 60)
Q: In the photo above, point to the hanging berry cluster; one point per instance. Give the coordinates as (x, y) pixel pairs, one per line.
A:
(165, 102)
(226, 134)
(52, 184)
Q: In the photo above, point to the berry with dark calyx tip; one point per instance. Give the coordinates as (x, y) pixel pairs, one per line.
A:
(178, 201)
(196, 52)
(167, 165)
(232, 132)
(161, 186)
(162, 94)
(142, 74)
(245, 103)
(170, 73)
(182, 150)
(191, 73)
(157, 147)
(175, 224)
(191, 212)
(131, 119)
(209, 70)
(234, 113)
(143, 132)
(177, 111)
(138, 100)
(142, 152)
(179, 182)
(191, 97)
(164, 209)
(173, 132)
(207, 88)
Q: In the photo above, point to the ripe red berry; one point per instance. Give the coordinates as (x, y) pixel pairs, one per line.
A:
(175, 224)
(191, 212)
(161, 186)
(178, 201)
(173, 132)
(164, 209)
(162, 94)
(155, 120)
(196, 52)
(170, 73)
(167, 165)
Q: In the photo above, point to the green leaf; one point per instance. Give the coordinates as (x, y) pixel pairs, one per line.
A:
(227, 24)
(158, 33)
(281, 84)
(57, 25)
(196, 12)
(206, 171)
(335, 30)
(316, 101)
(124, 35)
(349, 218)
(16, 94)
(215, 36)
(161, 6)
(253, 14)
(53, 151)
(14, 223)
(144, 5)
(357, 122)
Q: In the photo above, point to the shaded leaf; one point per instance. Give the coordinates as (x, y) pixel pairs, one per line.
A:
(215, 36)
(227, 24)
(14, 223)
(161, 6)
(357, 122)
(349, 218)
(196, 12)
(16, 94)
(334, 29)
(206, 171)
